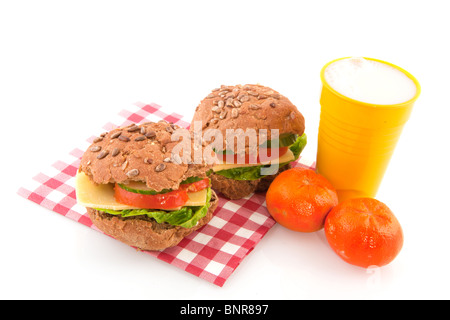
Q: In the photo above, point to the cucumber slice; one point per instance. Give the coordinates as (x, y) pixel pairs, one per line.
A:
(191, 180)
(285, 140)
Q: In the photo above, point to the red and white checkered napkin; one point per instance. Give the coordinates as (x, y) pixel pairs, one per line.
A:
(211, 253)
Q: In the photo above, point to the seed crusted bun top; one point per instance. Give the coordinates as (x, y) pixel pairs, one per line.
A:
(140, 153)
(248, 107)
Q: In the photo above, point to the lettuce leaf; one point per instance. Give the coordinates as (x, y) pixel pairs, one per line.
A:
(186, 217)
(298, 146)
(254, 172)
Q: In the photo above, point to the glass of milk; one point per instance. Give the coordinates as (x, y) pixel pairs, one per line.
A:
(365, 103)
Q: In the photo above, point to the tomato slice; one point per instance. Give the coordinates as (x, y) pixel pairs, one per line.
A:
(163, 201)
(196, 186)
(265, 155)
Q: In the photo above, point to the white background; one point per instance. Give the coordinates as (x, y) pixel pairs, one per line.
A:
(67, 67)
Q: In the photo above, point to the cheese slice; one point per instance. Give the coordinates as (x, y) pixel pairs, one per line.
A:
(287, 157)
(101, 196)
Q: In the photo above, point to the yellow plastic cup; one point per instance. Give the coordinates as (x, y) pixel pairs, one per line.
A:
(357, 139)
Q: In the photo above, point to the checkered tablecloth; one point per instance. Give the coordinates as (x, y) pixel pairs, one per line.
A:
(211, 253)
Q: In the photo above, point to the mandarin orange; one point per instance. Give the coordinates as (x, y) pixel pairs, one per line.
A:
(364, 232)
(299, 199)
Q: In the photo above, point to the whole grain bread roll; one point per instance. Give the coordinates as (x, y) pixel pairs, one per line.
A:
(250, 106)
(143, 153)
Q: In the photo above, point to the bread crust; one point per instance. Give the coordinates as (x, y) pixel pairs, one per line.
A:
(233, 189)
(145, 233)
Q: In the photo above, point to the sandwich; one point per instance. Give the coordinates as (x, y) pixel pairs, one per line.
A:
(276, 123)
(140, 192)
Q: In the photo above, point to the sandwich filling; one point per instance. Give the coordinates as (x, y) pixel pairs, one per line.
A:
(248, 169)
(183, 207)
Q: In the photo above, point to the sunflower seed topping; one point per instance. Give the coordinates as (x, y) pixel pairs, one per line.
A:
(133, 128)
(124, 138)
(216, 109)
(160, 167)
(275, 96)
(115, 152)
(243, 98)
(140, 138)
(124, 165)
(223, 114)
(95, 149)
(231, 95)
(132, 173)
(103, 154)
(150, 134)
(234, 113)
(292, 115)
(116, 134)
